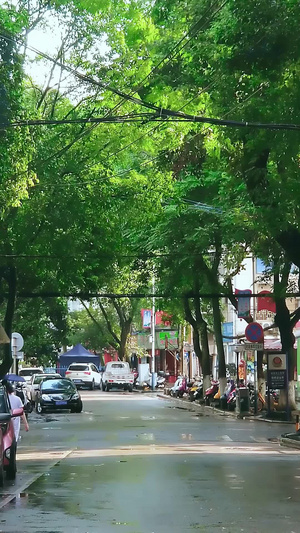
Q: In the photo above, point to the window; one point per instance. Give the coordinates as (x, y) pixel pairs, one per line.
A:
(260, 266)
(117, 365)
(38, 379)
(79, 368)
(57, 385)
(30, 371)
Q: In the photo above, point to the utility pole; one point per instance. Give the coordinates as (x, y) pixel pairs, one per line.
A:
(153, 335)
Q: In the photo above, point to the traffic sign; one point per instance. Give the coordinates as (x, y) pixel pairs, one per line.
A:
(254, 332)
(247, 347)
(17, 342)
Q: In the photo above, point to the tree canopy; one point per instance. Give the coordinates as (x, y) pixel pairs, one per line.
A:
(82, 202)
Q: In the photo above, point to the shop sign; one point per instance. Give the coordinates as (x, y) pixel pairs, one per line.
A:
(277, 371)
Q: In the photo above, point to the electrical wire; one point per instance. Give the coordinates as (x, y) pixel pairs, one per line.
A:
(170, 295)
(191, 32)
(155, 158)
(160, 116)
(89, 79)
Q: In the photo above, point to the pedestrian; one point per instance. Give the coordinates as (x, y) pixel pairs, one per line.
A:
(16, 403)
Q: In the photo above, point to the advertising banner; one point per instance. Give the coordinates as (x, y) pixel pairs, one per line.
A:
(243, 302)
(266, 302)
(227, 329)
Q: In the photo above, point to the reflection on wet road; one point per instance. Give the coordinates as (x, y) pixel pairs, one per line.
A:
(134, 463)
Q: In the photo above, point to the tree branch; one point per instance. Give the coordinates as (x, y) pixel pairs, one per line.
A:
(108, 323)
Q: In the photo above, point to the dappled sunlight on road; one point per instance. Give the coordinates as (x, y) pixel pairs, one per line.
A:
(152, 449)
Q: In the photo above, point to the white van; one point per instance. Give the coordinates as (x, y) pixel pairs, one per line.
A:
(117, 374)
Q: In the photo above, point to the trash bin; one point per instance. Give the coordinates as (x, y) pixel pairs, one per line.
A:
(242, 400)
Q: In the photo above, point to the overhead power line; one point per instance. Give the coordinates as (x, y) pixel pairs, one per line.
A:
(89, 295)
(193, 30)
(160, 115)
(83, 77)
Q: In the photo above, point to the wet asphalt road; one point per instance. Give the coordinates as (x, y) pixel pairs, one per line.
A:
(134, 463)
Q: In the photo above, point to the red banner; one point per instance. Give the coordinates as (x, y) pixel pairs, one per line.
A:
(266, 302)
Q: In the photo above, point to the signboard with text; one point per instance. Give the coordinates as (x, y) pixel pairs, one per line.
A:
(277, 371)
(247, 347)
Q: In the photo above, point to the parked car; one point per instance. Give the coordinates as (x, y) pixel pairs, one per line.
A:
(8, 444)
(117, 374)
(28, 372)
(58, 394)
(35, 382)
(84, 375)
(3, 421)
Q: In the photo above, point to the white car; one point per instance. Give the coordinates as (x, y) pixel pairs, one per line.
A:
(84, 375)
(28, 372)
(34, 385)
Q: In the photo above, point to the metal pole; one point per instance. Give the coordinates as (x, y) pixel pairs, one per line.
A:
(287, 387)
(14, 341)
(255, 382)
(153, 335)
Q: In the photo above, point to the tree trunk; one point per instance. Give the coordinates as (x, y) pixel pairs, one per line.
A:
(205, 356)
(285, 325)
(123, 340)
(11, 279)
(219, 343)
(196, 336)
(197, 347)
(260, 374)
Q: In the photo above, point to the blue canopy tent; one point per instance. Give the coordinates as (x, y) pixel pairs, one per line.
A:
(78, 354)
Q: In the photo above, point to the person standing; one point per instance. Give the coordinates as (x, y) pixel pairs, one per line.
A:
(16, 403)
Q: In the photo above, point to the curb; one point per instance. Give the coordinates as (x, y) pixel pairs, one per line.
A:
(192, 406)
(289, 443)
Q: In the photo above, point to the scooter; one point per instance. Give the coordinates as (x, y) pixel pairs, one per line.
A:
(161, 380)
(21, 391)
(224, 398)
(210, 392)
(231, 401)
(196, 391)
(179, 388)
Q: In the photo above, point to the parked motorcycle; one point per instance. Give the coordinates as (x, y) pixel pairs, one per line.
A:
(196, 391)
(262, 402)
(179, 388)
(231, 400)
(210, 392)
(224, 398)
(161, 379)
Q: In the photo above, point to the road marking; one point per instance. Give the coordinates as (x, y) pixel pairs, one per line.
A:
(43, 455)
(118, 397)
(199, 449)
(259, 439)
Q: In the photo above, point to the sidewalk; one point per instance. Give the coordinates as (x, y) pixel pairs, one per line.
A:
(207, 410)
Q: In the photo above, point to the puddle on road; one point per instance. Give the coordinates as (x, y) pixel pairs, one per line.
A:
(186, 436)
(180, 408)
(146, 436)
(75, 494)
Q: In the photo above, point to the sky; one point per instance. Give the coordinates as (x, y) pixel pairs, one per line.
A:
(46, 41)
